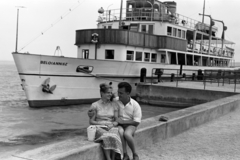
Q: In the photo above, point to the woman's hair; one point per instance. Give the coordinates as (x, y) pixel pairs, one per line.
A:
(104, 87)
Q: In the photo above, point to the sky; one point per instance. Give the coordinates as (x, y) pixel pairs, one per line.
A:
(44, 16)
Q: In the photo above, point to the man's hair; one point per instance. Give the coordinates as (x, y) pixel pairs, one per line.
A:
(126, 85)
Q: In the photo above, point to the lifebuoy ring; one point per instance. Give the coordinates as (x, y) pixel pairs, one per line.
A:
(94, 38)
(184, 22)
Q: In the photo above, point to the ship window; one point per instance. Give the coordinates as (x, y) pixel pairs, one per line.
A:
(163, 58)
(154, 57)
(146, 57)
(130, 55)
(130, 7)
(169, 31)
(183, 34)
(85, 53)
(134, 27)
(150, 29)
(174, 32)
(144, 29)
(109, 54)
(107, 27)
(179, 33)
(138, 56)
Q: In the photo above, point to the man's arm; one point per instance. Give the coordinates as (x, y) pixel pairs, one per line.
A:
(127, 122)
(115, 123)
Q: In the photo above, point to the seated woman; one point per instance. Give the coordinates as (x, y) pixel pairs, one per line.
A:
(105, 113)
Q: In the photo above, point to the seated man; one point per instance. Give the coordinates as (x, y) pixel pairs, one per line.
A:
(130, 115)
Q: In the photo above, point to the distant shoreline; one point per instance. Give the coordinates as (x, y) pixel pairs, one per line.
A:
(6, 62)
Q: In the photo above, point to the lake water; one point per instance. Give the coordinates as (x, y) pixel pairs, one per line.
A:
(23, 128)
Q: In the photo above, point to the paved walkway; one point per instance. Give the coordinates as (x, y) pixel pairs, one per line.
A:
(226, 87)
(216, 140)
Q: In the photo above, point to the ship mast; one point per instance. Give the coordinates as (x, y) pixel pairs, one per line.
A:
(16, 47)
(203, 11)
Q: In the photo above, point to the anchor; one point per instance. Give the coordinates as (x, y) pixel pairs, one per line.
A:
(46, 87)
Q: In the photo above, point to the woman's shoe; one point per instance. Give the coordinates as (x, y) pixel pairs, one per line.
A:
(126, 157)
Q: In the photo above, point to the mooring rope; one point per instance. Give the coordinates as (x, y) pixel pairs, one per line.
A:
(54, 23)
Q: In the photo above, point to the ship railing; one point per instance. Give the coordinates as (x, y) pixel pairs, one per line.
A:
(215, 51)
(202, 47)
(147, 14)
(220, 77)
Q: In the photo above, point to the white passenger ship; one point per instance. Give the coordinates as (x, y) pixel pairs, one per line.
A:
(147, 34)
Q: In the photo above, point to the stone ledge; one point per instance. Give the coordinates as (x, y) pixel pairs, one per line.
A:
(149, 132)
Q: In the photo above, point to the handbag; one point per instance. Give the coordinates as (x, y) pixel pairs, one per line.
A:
(91, 132)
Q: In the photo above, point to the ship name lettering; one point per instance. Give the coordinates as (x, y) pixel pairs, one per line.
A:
(53, 63)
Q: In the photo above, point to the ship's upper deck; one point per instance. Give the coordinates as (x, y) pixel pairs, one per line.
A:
(145, 10)
(160, 18)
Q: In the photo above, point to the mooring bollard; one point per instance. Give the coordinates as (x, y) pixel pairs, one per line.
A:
(143, 75)
(172, 77)
(184, 75)
(200, 75)
(193, 76)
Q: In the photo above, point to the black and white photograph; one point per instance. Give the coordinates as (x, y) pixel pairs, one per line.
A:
(119, 80)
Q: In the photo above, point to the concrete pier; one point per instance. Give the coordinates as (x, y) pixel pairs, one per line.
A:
(180, 97)
(215, 140)
(149, 132)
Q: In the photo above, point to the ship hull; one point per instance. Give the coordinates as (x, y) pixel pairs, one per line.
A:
(76, 87)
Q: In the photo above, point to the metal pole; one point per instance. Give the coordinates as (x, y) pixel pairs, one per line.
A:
(210, 33)
(152, 13)
(203, 12)
(17, 32)
(177, 79)
(152, 76)
(204, 81)
(16, 48)
(153, 10)
(109, 11)
(235, 80)
(120, 20)
(223, 33)
(95, 50)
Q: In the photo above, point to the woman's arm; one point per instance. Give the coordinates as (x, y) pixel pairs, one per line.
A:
(93, 121)
(115, 123)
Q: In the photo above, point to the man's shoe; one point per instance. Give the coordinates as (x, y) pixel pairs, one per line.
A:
(126, 157)
(135, 156)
